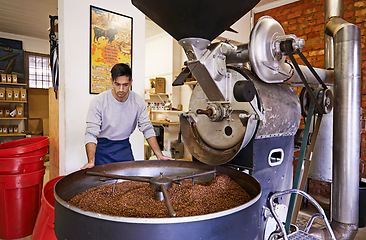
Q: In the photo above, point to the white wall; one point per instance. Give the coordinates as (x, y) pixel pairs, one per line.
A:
(30, 44)
(74, 20)
(159, 59)
(243, 27)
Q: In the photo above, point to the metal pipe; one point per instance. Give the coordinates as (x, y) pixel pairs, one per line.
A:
(325, 75)
(333, 8)
(347, 135)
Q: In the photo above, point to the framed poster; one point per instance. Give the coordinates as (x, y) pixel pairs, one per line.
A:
(110, 43)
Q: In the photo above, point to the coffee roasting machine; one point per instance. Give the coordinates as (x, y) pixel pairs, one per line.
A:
(243, 116)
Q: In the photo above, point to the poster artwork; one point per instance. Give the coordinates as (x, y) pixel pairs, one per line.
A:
(110, 43)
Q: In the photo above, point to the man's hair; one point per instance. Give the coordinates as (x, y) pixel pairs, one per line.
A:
(121, 69)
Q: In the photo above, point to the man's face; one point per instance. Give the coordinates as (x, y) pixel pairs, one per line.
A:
(121, 86)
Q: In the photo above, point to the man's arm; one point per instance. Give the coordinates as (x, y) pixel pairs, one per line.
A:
(90, 153)
(155, 147)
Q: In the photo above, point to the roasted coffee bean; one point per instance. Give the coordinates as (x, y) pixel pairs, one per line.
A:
(136, 199)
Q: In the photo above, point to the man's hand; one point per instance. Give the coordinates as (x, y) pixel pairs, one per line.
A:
(155, 147)
(165, 158)
(90, 153)
(88, 165)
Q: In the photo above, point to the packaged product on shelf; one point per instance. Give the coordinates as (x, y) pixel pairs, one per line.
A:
(2, 93)
(5, 129)
(10, 129)
(15, 129)
(160, 85)
(7, 111)
(1, 111)
(15, 78)
(3, 78)
(23, 94)
(9, 78)
(19, 111)
(1, 129)
(16, 94)
(157, 85)
(9, 94)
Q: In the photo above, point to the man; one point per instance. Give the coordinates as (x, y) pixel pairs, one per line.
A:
(112, 117)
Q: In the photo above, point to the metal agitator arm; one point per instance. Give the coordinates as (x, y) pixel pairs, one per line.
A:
(161, 184)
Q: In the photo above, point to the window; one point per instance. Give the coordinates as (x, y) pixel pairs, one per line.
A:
(38, 70)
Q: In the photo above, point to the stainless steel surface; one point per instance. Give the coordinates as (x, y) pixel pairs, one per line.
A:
(304, 234)
(240, 55)
(168, 203)
(279, 115)
(322, 159)
(208, 66)
(333, 8)
(269, 66)
(194, 47)
(229, 135)
(73, 223)
(346, 140)
(281, 110)
(327, 76)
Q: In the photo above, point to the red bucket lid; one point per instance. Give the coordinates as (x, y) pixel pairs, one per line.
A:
(24, 145)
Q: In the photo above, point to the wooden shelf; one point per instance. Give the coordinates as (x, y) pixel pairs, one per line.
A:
(12, 135)
(13, 84)
(13, 118)
(159, 94)
(165, 111)
(163, 122)
(190, 83)
(12, 101)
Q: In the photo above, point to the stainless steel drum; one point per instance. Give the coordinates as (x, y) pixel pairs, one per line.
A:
(73, 223)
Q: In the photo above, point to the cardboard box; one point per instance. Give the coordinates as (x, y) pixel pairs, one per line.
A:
(2, 93)
(15, 78)
(10, 129)
(9, 94)
(7, 111)
(3, 78)
(1, 129)
(5, 129)
(158, 84)
(16, 94)
(23, 94)
(1, 111)
(19, 111)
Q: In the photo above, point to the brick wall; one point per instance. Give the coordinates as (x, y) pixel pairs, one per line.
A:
(305, 19)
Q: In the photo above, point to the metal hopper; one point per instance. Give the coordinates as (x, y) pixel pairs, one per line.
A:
(205, 19)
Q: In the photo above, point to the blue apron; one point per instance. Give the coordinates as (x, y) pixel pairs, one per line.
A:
(109, 151)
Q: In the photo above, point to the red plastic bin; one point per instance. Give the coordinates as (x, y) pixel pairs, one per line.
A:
(42, 151)
(22, 146)
(18, 165)
(44, 227)
(20, 198)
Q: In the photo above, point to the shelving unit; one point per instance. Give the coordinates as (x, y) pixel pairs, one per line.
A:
(10, 122)
(13, 84)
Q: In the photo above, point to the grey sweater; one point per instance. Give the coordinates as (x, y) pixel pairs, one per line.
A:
(114, 120)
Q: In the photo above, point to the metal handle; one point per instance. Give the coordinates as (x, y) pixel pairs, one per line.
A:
(307, 196)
